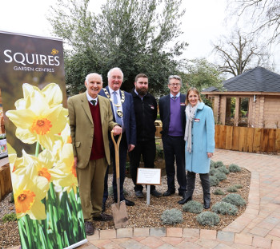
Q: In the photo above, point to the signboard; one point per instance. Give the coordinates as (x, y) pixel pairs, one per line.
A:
(148, 176)
(45, 187)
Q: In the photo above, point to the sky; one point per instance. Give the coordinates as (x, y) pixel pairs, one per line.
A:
(202, 24)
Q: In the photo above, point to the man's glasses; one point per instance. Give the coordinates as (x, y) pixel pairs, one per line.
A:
(175, 84)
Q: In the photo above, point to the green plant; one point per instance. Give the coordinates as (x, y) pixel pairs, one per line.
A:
(213, 171)
(223, 169)
(218, 191)
(224, 208)
(9, 217)
(219, 164)
(172, 216)
(220, 176)
(213, 181)
(234, 168)
(212, 164)
(193, 207)
(159, 153)
(208, 219)
(232, 189)
(234, 199)
(238, 186)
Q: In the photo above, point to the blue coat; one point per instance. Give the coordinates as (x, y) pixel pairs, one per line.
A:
(203, 140)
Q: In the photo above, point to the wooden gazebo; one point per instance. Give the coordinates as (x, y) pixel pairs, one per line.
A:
(251, 99)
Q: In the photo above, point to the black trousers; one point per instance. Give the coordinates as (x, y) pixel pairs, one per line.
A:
(205, 182)
(148, 150)
(174, 149)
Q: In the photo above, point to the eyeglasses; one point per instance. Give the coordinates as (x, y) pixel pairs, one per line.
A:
(175, 84)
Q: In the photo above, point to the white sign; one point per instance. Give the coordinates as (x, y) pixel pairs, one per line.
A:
(148, 176)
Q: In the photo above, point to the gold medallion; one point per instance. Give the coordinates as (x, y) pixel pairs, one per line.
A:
(120, 113)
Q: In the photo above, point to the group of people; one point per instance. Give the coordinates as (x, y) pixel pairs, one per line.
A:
(187, 136)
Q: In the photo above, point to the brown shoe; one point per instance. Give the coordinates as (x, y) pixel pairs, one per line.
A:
(89, 228)
(103, 217)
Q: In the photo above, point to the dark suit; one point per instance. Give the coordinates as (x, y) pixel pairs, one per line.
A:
(90, 173)
(128, 137)
(174, 146)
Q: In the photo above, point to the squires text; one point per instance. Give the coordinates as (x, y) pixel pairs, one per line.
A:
(31, 59)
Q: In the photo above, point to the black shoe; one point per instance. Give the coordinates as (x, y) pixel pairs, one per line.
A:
(129, 203)
(168, 192)
(206, 205)
(103, 217)
(185, 199)
(139, 194)
(103, 207)
(89, 228)
(155, 193)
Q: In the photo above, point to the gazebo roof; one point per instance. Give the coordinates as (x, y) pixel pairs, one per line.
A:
(258, 79)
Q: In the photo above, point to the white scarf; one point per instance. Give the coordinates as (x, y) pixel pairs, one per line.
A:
(190, 113)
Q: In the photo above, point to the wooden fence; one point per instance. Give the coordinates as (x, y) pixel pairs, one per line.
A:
(247, 139)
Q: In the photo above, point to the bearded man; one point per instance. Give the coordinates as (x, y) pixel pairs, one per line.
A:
(145, 107)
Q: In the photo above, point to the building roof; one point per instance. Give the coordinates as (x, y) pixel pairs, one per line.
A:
(258, 79)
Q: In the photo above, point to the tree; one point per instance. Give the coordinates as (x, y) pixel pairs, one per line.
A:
(135, 35)
(263, 14)
(202, 74)
(241, 52)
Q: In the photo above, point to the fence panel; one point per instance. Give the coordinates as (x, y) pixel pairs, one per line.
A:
(247, 139)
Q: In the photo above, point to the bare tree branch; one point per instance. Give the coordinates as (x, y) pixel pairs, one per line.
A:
(241, 52)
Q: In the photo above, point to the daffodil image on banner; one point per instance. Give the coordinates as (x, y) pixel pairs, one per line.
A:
(45, 186)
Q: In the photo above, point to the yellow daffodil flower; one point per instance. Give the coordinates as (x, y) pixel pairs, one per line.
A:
(66, 165)
(28, 197)
(36, 120)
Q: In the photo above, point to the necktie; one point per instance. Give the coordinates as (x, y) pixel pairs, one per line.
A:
(174, 97)
(93, 102)
(115, 99)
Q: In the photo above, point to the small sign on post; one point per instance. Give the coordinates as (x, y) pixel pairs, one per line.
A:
(148, 176)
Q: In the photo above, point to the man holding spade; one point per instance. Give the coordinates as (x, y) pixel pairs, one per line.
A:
(91, 120)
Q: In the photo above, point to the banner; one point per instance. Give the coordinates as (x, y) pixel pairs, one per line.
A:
(45, 187)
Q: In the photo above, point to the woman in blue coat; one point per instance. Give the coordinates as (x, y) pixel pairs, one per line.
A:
(200, 145)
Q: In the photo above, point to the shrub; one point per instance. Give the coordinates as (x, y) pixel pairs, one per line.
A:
(193, 207)
(238, 186)
(9, 217)
(208, 218)
(218, 191)
(219, 164)
(234, 199)
(220, 176)
(172, 216)
(213, 171)
(224, 208)
(232, 189)
(234, 168)
(213, 181)
(223, 169)
(212, 164)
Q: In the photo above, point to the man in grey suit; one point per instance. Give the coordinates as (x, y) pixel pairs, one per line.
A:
(91, 118)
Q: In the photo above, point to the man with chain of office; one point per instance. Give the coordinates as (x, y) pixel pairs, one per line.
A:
(123, 111)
